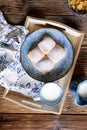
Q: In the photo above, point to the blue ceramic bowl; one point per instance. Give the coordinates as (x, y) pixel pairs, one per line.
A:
(73, 12)
(60, 68)
(53, 102)
(78, 98)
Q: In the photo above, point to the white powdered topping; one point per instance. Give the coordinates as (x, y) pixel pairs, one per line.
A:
(45, 65)
(35, 55)
(46, 55)
(56, 54)
(83, 90)
(50, 92)
(46, 45)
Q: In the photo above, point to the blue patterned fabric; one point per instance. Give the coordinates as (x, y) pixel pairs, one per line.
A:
(12, 74)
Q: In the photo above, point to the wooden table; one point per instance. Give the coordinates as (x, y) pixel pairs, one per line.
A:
(14, 117)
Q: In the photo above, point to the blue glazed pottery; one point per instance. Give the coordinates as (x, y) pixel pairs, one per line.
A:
(60, 68)
(78, 90)
(51, 94)
(75, 13)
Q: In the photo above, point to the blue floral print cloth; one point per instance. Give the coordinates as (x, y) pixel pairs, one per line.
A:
(12, 74)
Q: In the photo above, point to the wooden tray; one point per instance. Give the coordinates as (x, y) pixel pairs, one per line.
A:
(76, 38)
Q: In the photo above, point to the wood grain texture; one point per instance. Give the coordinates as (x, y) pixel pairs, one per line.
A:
(13, 116)
(42, 122)
(39, 7)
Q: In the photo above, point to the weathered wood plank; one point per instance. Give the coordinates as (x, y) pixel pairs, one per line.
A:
(42, 122)
(43, 7)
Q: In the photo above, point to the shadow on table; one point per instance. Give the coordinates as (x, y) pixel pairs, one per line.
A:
(71, 23)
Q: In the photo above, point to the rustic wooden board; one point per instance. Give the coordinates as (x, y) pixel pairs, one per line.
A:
(42, 122)
(38, 7)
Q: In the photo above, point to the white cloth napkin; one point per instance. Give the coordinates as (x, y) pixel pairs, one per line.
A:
(12, 74)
